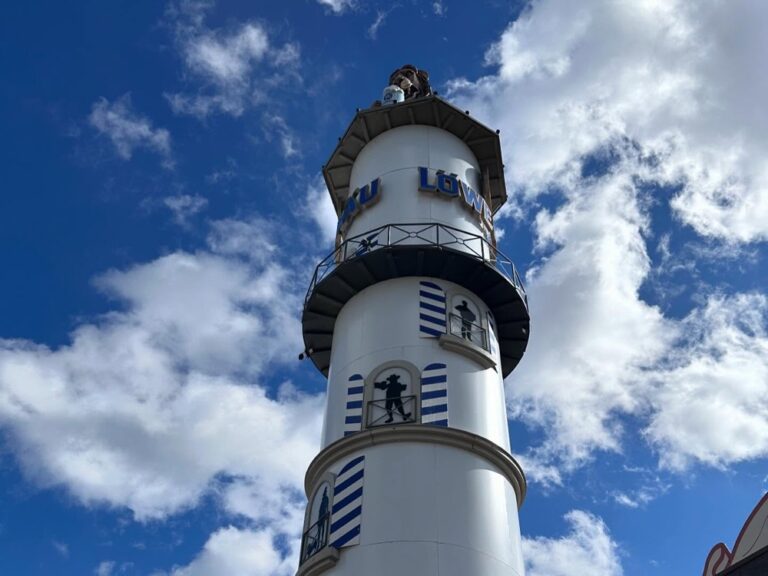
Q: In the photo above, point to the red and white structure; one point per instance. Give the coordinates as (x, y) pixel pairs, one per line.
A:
(749, 556)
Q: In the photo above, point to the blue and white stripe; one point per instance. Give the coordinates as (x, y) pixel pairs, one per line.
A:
(346, 513)
(431, 310)
(353, 416)
(434, 395)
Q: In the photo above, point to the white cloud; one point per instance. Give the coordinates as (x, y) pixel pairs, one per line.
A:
(373, 29)
(275, 125)
(242, 552)
(184, 206)
(587, 549)
(61, 547)
(711, 405)
(642, 496)
(592, 337)
(338, 6)
(439, 8)
(668, 94)
(678, 80)
(149, 407)
(317, 206)
(105, 568)
(234, 66)
(128, 130)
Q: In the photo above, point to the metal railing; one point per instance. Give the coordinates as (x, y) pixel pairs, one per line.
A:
(470, 331)
(391, 410)
(315, 538)
(437, 235)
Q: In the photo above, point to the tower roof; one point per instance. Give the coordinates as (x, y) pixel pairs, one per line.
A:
(427, 111)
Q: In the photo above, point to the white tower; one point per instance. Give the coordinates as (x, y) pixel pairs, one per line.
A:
(415, 319)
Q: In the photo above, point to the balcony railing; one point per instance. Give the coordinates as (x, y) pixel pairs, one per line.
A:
(388, 411)
(315, 538)
(435, 235)
(470, 331)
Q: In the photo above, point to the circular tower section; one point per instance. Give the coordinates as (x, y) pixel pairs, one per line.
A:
(415, 318)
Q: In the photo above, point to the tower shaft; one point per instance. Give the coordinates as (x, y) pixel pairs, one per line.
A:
(415, 318)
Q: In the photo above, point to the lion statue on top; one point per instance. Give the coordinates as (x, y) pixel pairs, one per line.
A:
(405, 83)
(414, 82)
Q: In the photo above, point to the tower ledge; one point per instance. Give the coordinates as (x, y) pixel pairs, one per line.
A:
(454, 437)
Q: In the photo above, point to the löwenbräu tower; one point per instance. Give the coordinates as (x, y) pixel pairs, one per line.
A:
(415, 318)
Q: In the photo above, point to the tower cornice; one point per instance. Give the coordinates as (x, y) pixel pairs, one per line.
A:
(420, 433)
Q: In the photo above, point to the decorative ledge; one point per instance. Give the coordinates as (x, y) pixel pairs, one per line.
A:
(320, 562)
(466, 348)
(427, 434)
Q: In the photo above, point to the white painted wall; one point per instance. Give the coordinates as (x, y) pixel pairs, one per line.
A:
(433, 509)
(395, 156)
(381, 324)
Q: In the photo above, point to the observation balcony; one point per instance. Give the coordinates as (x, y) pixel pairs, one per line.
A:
(432, 250)
(315, 538)
(469, 331)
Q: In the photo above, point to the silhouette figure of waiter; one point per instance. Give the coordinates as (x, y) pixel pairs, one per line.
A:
(394, 390)
(467, 318)
(321, 516)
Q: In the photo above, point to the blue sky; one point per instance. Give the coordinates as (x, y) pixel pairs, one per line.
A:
(162, 211)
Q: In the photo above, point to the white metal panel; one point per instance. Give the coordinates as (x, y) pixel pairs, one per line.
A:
(382, 324)
(453, 510)
(395, 156)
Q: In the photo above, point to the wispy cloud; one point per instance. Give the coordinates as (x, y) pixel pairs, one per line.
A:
(338, 6)
(588, 548)
(232, 66)
(274, 126)
(128, 130)
(373, 29)
(61, 548)
(184, 206)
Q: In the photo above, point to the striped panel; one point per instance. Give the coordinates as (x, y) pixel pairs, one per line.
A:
(353, 416)
(492, 338)
(434, 395)
(347, 509)
(431, 310)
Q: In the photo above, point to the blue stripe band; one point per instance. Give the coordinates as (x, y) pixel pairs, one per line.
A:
(433, 319)
(431, 331)
(355, 390)
(434, 409)
(355, 377)
(345, 501)
(353, 420)
(351, 464)
(346, 518)
(430, 285)
(434, 366)
(438, 423)
(434, 297)
(341, 486)
(434, 394)
(354, 404)
(432, 307)
(339, 542)
(434, 379)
